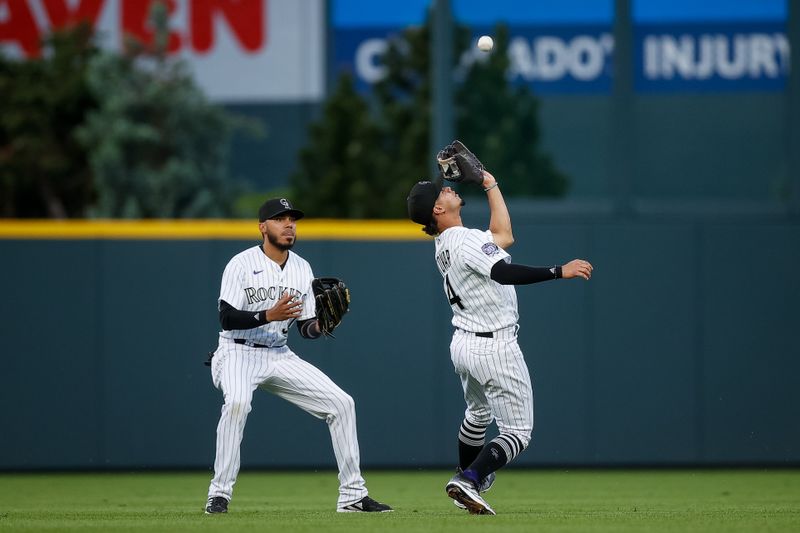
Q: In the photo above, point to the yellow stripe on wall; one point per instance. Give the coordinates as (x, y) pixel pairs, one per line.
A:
(311, 229)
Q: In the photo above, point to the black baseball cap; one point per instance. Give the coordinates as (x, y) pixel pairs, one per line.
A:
(421, 200)
(278, 206)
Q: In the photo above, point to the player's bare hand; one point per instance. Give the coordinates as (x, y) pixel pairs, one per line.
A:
(488, 179)
(287, 307)
(577, 268)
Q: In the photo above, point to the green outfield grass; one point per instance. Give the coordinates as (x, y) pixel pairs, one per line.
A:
(525, 500)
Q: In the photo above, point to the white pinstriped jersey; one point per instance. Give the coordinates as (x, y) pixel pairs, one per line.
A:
(465, 258)
(254, 282)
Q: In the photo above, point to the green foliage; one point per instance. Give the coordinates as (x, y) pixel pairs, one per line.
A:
(500, 123)
(247, 203)
(158, 147)
(343, 170)
(44, 171)
(357, 165)
(85, 132)
(363, 157)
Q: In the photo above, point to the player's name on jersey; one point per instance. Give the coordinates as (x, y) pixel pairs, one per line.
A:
(443, 260)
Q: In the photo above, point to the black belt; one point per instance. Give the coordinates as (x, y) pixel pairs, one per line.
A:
(252, 344)
(486, 334)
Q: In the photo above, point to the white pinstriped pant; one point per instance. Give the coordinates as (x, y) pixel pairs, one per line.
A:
(495, 380)
(238, 370)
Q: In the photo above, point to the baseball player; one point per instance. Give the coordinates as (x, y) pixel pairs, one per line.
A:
(265, 289)
(478, 280)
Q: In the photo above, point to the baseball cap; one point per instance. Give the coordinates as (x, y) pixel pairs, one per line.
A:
(278, 206)
(421, 200)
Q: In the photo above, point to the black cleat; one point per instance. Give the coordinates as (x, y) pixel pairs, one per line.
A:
(365, 505)
(217, 504)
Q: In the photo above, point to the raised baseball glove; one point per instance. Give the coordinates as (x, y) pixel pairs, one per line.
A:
(332, 298)
(459, 165)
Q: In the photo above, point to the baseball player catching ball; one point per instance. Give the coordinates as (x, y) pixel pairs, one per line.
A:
(265, 289)
(478, 279)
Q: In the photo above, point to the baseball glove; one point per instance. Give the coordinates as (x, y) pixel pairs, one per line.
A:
(332, 298)
(459, 165)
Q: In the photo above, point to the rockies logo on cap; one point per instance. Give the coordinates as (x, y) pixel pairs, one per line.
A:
(276, 207)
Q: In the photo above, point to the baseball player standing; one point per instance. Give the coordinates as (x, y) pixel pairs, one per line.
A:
(264, 290)
(478, 280)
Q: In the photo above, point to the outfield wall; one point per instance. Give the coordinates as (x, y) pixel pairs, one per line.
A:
(682, 348)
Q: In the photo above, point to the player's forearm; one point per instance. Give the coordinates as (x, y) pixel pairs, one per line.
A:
(232, 318)
(512, 274)
(500, 219)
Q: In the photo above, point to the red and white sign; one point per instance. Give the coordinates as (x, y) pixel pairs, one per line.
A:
(239, 50)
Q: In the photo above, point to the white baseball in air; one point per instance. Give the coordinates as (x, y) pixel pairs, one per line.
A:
(485, 43)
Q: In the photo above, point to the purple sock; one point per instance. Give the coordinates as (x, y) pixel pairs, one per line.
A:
(472, 476)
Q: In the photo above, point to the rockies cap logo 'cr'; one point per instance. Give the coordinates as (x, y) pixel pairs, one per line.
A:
(285, 203)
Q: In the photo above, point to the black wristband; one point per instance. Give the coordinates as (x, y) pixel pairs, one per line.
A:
(306, 328)
(558, 273)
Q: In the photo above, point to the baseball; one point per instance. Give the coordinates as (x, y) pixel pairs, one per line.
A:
(485, 43)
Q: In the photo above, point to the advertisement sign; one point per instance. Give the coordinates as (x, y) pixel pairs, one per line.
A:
(711, 57)
(555, 46)
(567, 46)
(238, 50)
(710, 46)
(273, 51)
(560, 59)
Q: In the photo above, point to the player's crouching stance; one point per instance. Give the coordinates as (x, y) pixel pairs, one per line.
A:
(264, 290)
(478, 280)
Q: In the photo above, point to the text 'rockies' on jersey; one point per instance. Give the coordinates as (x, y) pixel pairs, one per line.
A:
(253, 282)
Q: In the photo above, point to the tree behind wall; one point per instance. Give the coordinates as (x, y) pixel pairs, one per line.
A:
(44, 171)
(343, 166)
(377, 147)
(157, 147)
(497, 121)
(500, 122)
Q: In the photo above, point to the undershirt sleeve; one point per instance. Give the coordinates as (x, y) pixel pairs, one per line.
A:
(232, 318)
(512, 274)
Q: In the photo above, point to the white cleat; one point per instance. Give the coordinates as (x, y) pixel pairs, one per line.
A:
(463, 491)
(486, 484)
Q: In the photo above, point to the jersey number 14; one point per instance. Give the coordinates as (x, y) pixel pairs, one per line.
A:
(451, 295)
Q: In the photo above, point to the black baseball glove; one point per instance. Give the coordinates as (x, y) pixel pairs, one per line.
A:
(332, 298)
(459, 165)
